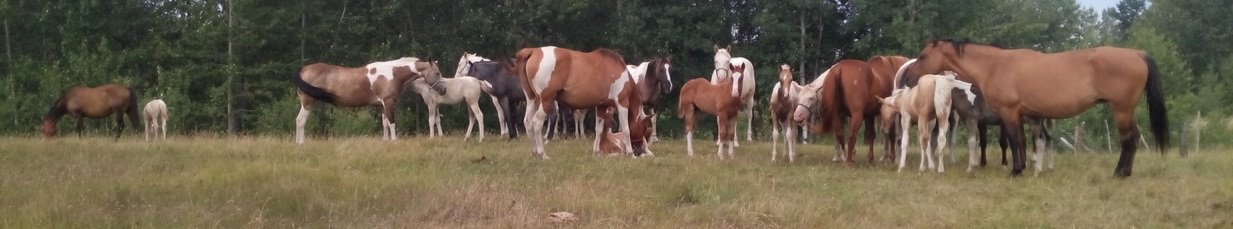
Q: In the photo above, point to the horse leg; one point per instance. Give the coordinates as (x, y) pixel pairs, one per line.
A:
(905, 122)
(1128, 133)
(163, 119)
(943, 127)
(389, 113)
(600, 131)
(148, 124)
(975, 135)
(775, 137)
(871, 135)
(1012, 124)
(983, 140)
(528, 120)
(300, 120)
(580, 117)
(654, 128)
(119, 124)
(790, 139)
(478, 115)
(854, 128)
(688, 114)
(923, 128)
(749, 130)
(623, 113)
(496, 104)
(432, 114)
(81, 126)
(1038, 155)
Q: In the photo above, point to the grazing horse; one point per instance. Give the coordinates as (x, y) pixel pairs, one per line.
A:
(723, 100)
(596, 79)
(506, 90)
(654, 79)
(457, 90)
(783, 105)
(378, 83)
(93, 102)
(926, 103)
(155, 118)
(723, 63)
(1019, 83)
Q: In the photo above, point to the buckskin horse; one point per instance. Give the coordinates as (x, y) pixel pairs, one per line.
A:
(375, 84)
(723, 100)
(1019, 83)
(93, 102)
(596, 79)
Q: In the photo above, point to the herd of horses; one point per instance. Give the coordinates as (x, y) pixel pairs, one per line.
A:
(978, 85)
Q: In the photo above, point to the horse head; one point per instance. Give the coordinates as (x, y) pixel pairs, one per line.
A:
(938, 56)
(664, 69)
(738, 72)
(431, 73)
(722, 58)
(785, 76)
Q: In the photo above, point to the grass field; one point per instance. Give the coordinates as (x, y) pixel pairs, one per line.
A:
(417, 183)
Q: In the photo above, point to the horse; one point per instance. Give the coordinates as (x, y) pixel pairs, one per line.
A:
(95, 103)
(459, 89)
(375, 84)
(1019, 83)
(848, 91)
(884, 68)
(723, 100)
(926, 103)
(640, 133)
(505, 91)
(155, 118)
(783, 105)
(723, 61)
(576, 79)
(654, 79)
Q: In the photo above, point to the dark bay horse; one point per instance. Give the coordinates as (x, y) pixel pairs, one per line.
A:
(724, 100)
(506, 91)
(375, 84)
(596, 79)
(1023, 83)
(93, 102)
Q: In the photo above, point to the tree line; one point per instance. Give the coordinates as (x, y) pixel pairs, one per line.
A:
(223, 65)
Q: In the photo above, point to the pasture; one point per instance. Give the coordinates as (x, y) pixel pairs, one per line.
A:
(416, 182)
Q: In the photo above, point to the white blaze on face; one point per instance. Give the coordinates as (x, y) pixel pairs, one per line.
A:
(668, 75)
(736, 81)
(547, 64)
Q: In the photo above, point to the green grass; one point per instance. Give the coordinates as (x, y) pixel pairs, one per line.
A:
(416, 183)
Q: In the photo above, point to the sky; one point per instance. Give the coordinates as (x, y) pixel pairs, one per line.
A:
(1099, 5)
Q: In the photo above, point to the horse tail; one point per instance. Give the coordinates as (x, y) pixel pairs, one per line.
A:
(520, 70)
(313, 91)
(1156, 104)
(685, 101)
(133, 116)
(485, 86)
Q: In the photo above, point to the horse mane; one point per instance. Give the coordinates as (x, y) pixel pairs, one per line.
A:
(57, 108)
(957, 44)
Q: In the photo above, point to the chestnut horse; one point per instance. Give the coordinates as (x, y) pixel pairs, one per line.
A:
(375, 84)
(1019, 83)
(848, 90)
(886, 67)
(723, 100)
(723, 63)
(155, 117)
(93, 102)
(596, 79)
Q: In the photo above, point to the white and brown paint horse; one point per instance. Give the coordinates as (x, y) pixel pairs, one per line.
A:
(375, 84)
(927, 103)
(457, 90)
(155, 117)
(723, 70)
(654, 79)
(723, 100)
(596, 79)
(783, 105)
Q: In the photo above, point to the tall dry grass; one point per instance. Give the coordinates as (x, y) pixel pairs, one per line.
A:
(416, 183)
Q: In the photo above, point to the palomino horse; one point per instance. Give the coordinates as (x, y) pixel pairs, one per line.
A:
(723, 100)
(723, 63)
(1021, 83)
(506, 91)
(93, 102)
(926, 103)
(783, 105)
(155, 118)
(457, 90)
(579, 80)
(378, 83)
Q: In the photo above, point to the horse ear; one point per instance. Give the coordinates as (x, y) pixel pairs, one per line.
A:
(716, 47)
(729, 48)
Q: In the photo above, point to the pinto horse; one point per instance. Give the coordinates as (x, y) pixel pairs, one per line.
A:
(155, 117)
(723, 70)
(1019, 83)
(93, 102)
(375, 84)
(654, 79)
(723, 100)
(783, 105)
(596, 79)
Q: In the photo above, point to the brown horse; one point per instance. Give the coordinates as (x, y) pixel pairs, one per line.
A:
(575, 79)
(848, 90)
(783, 105)
(883, 68)
(375, 84)
(654, 79)
(723, 100)
(93, 102)
(1023, 83)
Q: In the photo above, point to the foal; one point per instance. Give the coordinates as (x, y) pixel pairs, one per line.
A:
(783, 105)
(457, 90)
(723, 100)
(926, 103)
(156, 118)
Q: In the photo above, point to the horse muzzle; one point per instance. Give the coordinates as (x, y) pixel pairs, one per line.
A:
(802, 113)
